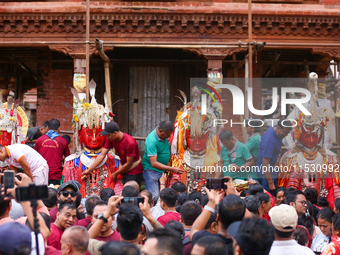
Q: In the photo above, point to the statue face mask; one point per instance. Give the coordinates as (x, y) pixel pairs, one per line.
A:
(309, 138)
(91, 138)
(5, 138)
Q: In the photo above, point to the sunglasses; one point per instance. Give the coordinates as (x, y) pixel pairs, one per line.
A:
(67, 193)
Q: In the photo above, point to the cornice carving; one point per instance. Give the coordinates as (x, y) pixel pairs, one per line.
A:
(76, 51)
(331, 52)
(168, 26)
(215, 53)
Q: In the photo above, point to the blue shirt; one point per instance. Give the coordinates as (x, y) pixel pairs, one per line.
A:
(270, 147)
(320, 243)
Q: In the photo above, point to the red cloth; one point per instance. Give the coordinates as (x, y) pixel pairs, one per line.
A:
(53, 214)
(49, 250)
(333, 248)
(115, 236)
(53, 152)
(169, 216)
(271, 197)
(267, 217)
(127, 147)
(85, 222)
(55, 237)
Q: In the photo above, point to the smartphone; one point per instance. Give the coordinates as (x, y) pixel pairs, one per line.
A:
(133, 200)
(217, 183)
(8, 181)
(31, 192)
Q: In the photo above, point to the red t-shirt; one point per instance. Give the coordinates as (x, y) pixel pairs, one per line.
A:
(49, 250)
(127, 147)
(85, 222)
(169, 216)
(115, 236)
(55, 237)
(53, 152)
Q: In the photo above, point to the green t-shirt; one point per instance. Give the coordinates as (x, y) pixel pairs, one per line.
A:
(154, 146)
(238, 156)
(253, 145)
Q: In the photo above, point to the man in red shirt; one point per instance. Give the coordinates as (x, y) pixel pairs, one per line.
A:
(66, 192)
(66, 217)
(53, 147)
(106, 233)
(127, 149)
(168, 198)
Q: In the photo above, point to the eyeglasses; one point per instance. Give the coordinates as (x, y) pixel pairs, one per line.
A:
(67, 193)
(304, 203)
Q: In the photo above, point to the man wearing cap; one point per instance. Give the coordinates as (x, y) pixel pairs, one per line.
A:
(15, 238)
(127, 149)
(66, 192)
(284, 220)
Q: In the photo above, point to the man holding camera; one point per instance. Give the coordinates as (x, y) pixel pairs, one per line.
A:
(5, 202)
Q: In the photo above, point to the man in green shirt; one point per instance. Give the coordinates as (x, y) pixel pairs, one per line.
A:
(254, 137)
(157, 156)
(236, 160)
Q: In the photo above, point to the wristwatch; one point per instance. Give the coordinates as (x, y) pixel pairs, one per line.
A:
(101, 217)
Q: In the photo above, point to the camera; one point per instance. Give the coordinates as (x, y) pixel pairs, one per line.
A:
(8, 180)
(217, 183)
(133, 200)
(31, 193)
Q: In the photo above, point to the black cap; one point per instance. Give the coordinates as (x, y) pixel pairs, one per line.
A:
(72, 184)
(110, 128)
(254, 121)
(233, 229)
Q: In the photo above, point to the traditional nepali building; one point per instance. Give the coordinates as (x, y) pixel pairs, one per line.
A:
(156, 47)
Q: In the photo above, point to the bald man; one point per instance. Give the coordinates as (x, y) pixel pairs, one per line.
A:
(74, 241)
(133, 184)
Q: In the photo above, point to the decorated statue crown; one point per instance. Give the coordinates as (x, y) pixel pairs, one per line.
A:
(319, 107)
(13, 119)
(91, 115)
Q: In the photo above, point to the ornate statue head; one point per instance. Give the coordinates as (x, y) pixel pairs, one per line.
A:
(310, 136)
(310, 130)
(91, 138)
(89, 119)
(13, 122)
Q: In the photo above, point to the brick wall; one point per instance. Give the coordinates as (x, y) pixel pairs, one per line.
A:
(52, 92)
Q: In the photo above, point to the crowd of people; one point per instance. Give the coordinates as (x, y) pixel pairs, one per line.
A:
(156, 220)
(220, 222)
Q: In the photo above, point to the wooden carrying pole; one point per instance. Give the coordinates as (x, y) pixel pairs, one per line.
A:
(87, 49)
(107, 65)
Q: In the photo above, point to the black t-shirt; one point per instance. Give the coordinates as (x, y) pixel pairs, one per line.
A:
(203, 233)
(33, 133)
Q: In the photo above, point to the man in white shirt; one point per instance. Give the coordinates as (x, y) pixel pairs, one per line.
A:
(284, 220)
(22, 156)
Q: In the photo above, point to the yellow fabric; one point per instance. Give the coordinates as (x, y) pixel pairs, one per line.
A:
(211, 152)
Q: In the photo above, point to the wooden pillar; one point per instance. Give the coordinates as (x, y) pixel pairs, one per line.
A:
(337, 114)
